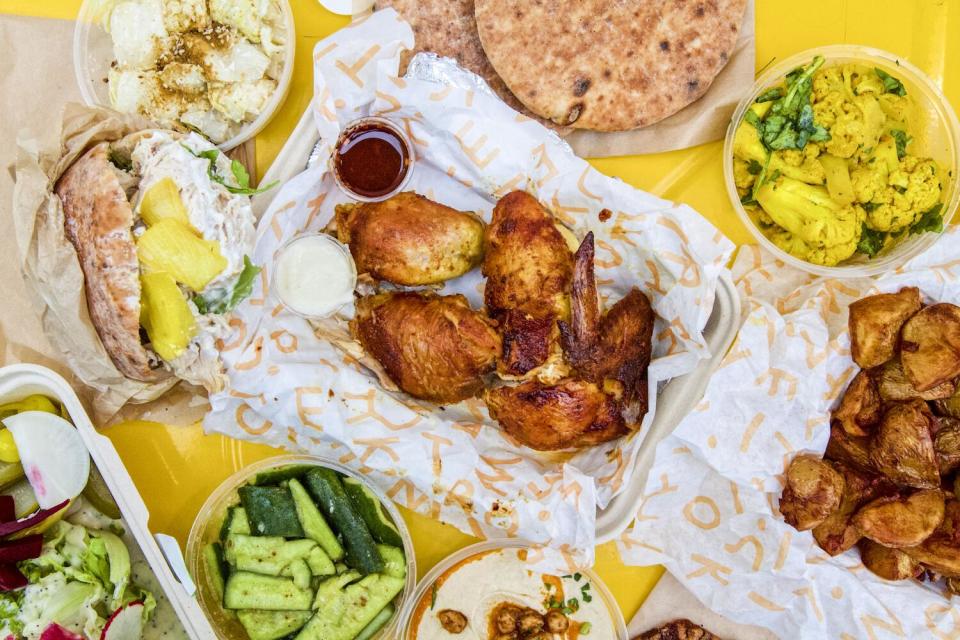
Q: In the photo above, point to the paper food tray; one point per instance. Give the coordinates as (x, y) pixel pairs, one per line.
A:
(675, 399)
(21, 380)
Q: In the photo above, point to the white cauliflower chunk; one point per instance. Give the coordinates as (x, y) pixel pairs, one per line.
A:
(236, 100)
(183, 77)
(243, 15)
(184, 15)
(137, 31)
(243, 62)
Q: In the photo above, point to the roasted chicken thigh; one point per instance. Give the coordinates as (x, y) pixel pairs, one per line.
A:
(410, 240)
(528, 266)
(433, 347)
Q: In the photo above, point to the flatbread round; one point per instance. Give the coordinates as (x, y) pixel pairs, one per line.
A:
(608, 65)
(98, 221)
(449, 29)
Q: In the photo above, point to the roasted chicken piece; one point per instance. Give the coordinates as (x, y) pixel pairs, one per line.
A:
(859, 408)
(612, 350)
(814, 489)
(410, 240)
(528, 266)
(941, 551)
(572, 413)
(902, 447)
(901, 521)
(678, 630)
(433, 347)
(894, 386)
(875, 324)
(889, 564)
(930, 346)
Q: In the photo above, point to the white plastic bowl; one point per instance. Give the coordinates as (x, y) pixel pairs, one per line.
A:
(206, 529)
(937, 136)
(93, 55)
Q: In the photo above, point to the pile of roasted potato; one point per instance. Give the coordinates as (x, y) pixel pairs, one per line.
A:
(887, 482)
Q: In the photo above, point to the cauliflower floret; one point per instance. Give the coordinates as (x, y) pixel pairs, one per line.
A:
(826, 82)
(799, 165)
(242, 15)
(181, 76)
(742, 176)
(869, 181)
(911, 190)
(897, 108)
(864, 80)
(185, 15)
(826, 256)
(808, 212)
(238, 99)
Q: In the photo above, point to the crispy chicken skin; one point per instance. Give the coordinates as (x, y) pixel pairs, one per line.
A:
(613, 349)
(433, 347)
(572, 413)
(410, 240)
(678, 630)
(528, 267)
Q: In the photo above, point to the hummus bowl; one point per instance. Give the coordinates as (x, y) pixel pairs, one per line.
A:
(216, 518)
(466, 595)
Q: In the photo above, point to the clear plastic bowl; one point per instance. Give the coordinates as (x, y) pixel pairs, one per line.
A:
(936, 135)
(401, 135)
(206, 529)
(93, 55)
(598, 589)
(275, 289)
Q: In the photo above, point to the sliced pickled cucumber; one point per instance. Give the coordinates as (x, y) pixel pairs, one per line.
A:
(162, 201)
(165, 315)
(97, 493)
(10, 472)
(172, 247)
(24, 500)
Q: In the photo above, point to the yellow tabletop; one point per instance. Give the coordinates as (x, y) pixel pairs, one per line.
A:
(176, 467)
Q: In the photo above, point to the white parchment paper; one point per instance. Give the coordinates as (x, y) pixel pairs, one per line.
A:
(305, 388)
(709, 511)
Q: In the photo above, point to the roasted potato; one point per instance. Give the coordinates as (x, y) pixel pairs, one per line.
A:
(859, 408)
(889, 564)
(941, 551)
(902, 447)
(814, 489)
(852, 450)
(837, 534)
(930, 346)
(946, 443)
(875, 324)
(894, 386)
(898, 521)
(948, 406)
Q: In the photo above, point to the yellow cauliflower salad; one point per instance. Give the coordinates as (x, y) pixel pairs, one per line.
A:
(205, 65)
(822, 164)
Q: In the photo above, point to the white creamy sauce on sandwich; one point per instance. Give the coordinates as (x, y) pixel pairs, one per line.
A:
(315, 276)
(476, 586)
(219, 216)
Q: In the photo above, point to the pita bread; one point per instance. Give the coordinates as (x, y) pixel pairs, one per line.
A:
(608, 65)
(99, 224)
(448, 28)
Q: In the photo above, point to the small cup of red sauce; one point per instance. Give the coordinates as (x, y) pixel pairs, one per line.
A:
(373, 159)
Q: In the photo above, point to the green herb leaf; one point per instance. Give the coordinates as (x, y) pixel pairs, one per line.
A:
(902, 138)
(201, 304)
(585, 628)
(754, 168)
(577, 577)
(890, 84)
(241, 290)
(770, 95)
(119, 160)
(870, 207)
(930, 221)
(871, 241)
(754, 119)
(240, 174)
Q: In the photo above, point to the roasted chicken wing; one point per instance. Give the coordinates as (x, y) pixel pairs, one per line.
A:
(410, 240)
(433, 347)
(611, 350)
(572, 413)
(528, 266)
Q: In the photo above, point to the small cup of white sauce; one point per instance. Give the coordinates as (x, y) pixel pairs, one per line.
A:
(314, 275)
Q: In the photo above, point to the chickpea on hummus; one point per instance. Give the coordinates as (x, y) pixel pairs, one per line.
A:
(823, 166)
(493, 595)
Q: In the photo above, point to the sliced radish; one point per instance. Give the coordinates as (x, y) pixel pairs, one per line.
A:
(126, 623)
(11, 578)
(53, 455)
(8, 508)
(7, 528)
(56, 632)
(26, 549)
